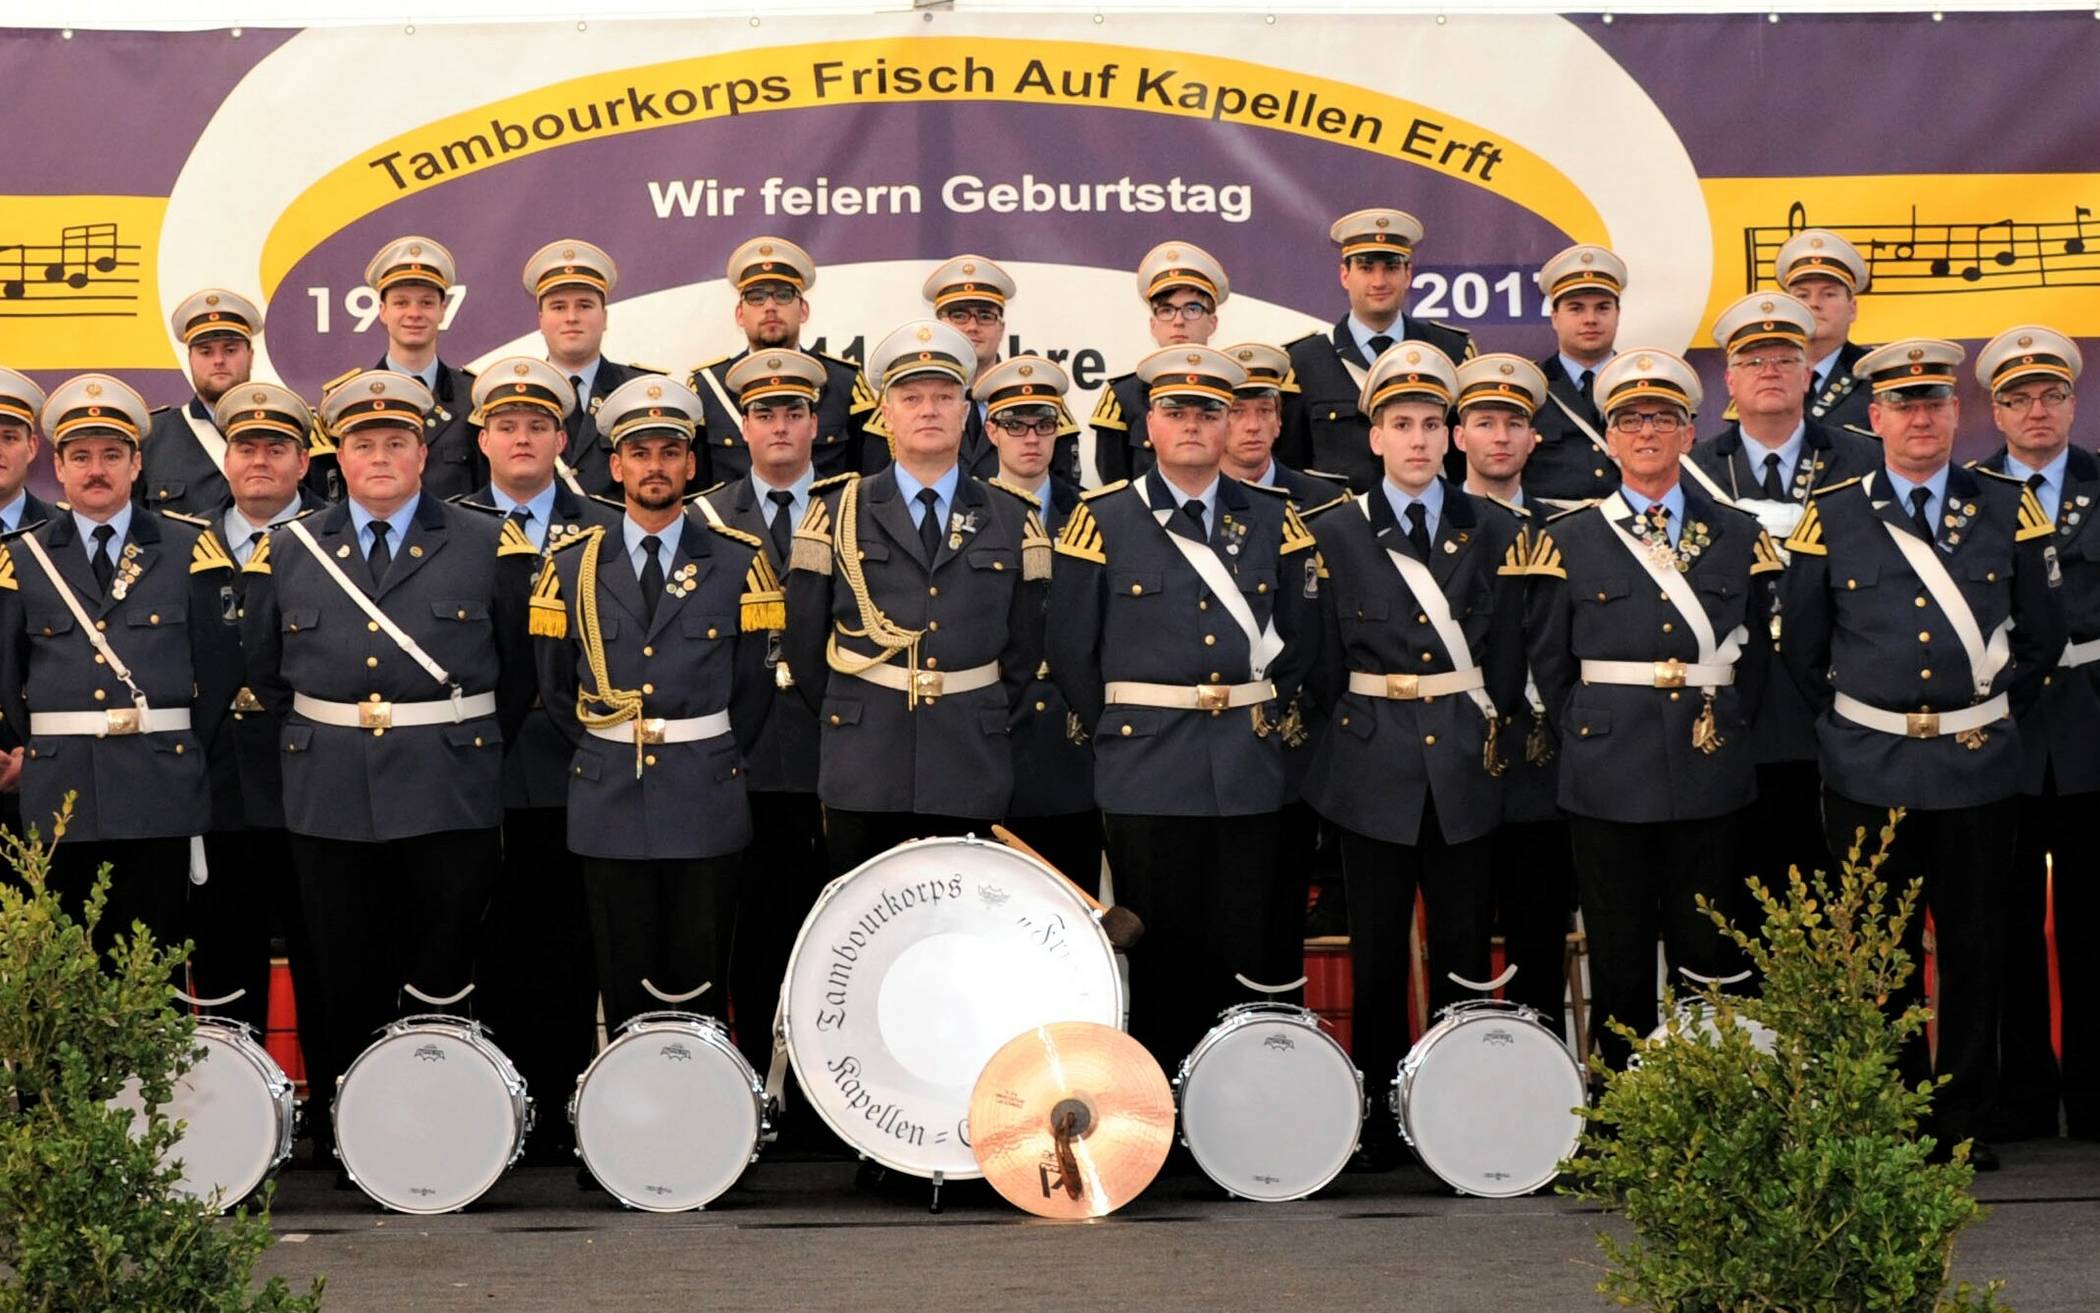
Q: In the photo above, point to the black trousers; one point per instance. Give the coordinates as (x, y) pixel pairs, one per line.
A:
(251, 890)
(537, 983)
(149, 882)
(781, 875)
(384, 915)
(1457, 886)
(1534, 903)
(2075, 845)
(1072, 842)
(1636, 881)
(668, 921)
(853, 837)
(1962, 854)
(1783, 828)
(1203, 886)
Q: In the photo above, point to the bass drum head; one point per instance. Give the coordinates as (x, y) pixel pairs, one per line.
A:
(667, 1118)
(1271, 1108)
(236, 1117)
(913, 969)
(425, 1121)
(1487, 1099)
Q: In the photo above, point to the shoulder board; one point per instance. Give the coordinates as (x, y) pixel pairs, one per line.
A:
(1012, 491)
(1869, 434)
(692, 497)
(1545, 557)
(1104, 490)
(1807, 537)
(1326, 506)
(865, 398)
(835, 481)
(1323, 474)
(848, 361)
(1765, 556)
(7, 568)
(513, 542)
(27, 528)
(735, 535)
(2034, 521)
(1521, 512)
(1833, 487)
(209, 554)
(1296, 537)
(1108, 412)
(1308, 338)
(590, 535)
(1081, 537)
(640, 368)
(1265, 487)
(718, 360)
(1564, 514)
(1996, 474)
(340, 379)
(463, 371)
(160, 410)
(468, 503)
(259, 559)
(186, 518)
(603, 500)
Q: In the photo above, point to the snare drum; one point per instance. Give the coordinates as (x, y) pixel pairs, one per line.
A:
(1487, 1098)
(1699, 1020)
(431, 1115)
(912, 970)
(239, 1114)
(670, 1114)
(1271, 1107)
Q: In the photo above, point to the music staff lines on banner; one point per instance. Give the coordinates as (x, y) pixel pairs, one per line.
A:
(89, 267)
(1918, 258)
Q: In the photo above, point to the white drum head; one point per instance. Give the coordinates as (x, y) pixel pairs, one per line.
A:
(1271, 1108)
(1487, 1100)
(912, 970)
(425, 1121)
(235, 1117)
(667, 1118)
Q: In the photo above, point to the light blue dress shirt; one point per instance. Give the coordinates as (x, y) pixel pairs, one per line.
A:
(1673, 501)
(1432, 500)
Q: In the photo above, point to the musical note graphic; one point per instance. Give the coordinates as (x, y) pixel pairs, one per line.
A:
(1929, 258)
(88, 268)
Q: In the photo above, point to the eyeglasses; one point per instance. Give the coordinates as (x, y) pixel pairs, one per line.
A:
(1186, 311)
(1015, 427)
(1629, 422)
(778, 293)
(1901, 405)
(962, 314)
(1759, 364)
(2048, 399)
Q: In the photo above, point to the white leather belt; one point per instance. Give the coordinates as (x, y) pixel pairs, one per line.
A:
(1658, 674)
(2080, 654)
(1408, 688)
(655, 729)
(930, 683)
(108, 724)
(394, 715)
(1923, 724)
(1189, 697)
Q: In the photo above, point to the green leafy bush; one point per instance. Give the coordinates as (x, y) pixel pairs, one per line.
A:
(1792, 1180)
(89, 1216)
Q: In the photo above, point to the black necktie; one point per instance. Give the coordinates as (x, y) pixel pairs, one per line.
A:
(1774, 489)
(254, 541)
(105, 569)
(783, 528)
(522, 517)
(1380, 343)
(652, 577)
(380, 557)
(929, 524)
(1418, 529)
(1587, 386)
(1918, 498)
(1193, 508)
(576, 381)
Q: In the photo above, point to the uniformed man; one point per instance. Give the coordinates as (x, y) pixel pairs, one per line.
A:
(1826, 273)
(1922, 613)
(538, 989)
(784, 868)
(915, 617)
(21, 404)
(252, 888)
(1572, 461)
(2032, 375)
(184, 454)
(969, 293)
(116, 654)
(1053, 804)
(1180, 618)
(1322, 427)
(1768, 461)
(772, 277)
(1255, 421)
(571, 281)
(387, 636)
(412, 276)
(1421, 649)
(1649, 641)
(1534, 867)
(1183, 285)
(638, 628)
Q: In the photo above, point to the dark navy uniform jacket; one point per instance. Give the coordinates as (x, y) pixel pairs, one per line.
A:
(687, 801)
(173, 628)
(1053, 762)
(1382, 760)
(175, 472)
(1322, 428)
(1531, 785)
(1565, 464)
(458, 585)
(979, 601)
(1122, 445)
(1843, 399)
(1626, 751)
(1125, 604)
(1857, 618)
(844, 407)
(782, 756)
(588, 454)
(453, 463)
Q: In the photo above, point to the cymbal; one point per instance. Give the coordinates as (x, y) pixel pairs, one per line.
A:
(1071, 1120)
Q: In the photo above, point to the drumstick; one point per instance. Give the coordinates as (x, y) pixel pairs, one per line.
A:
(1119, 923)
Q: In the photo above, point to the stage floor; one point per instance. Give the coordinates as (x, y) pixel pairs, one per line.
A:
(800, 1235)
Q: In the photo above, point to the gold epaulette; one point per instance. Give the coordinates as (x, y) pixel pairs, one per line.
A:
(2034, 521)
(1108, 412)
(1027, 498)
(1833, 487)
(583, 534)
(1517, 560)
(835, 481)
(736, 535)
(198, 520)
(1081, 537)
(340, 379)
(1765, 555)
(1566, 511)
(1104, 490)
(548, 616)
(812, 547)
(1807, 537)
(259, 559)
(208, 553)
(1290, 381)
(763, 607)
(513, 542)
(1296, 537)
(1035, 547)
(864, 397)
(7, 570)
(1327, 506)
(1545, 558)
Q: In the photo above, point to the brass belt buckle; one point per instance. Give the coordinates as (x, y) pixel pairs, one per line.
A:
(1669, 674)
(375, 715)
(123, 720)
(649, 729)
(927, 684)
(1921, 725)
(1213, 697)
(1404, 687)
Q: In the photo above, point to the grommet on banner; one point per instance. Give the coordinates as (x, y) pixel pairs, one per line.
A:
(1441, 20)
(236, 34)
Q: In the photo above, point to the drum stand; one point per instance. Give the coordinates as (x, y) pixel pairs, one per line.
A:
(873, 1177)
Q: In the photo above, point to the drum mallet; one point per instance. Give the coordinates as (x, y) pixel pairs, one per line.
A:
(1119, 923)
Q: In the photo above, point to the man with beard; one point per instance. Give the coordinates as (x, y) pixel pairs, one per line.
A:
(1824, 272)
(1572, 460)
(1184, 286)
(571, 281)
(771, 278)
(184, 456)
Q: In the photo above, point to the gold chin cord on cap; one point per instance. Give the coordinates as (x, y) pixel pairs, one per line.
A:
(876, 627)
(622, 704)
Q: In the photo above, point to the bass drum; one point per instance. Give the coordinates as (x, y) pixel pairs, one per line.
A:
(670, 1114)
(237, 1103)
(431, 1115)
(1487, 1099)
(909, 974)
(1271, 1106)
